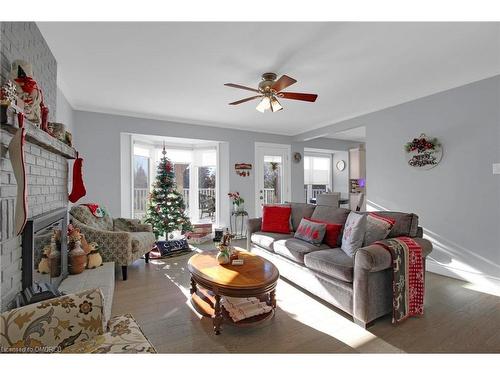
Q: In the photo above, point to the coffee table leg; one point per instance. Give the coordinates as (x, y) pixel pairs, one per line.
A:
(217, 319)
(272, 297)
(193, 286)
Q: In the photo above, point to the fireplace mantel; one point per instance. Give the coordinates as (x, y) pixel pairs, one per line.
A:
(37, 136)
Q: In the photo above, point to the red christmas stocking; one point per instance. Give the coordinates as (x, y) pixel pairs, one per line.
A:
(16, 154)
(78, 189)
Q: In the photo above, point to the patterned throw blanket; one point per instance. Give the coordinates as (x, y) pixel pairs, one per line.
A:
(408, 277)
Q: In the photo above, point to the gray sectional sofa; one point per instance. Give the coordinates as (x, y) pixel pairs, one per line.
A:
(361, 286)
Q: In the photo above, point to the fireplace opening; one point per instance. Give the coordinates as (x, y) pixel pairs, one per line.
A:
(44, 249)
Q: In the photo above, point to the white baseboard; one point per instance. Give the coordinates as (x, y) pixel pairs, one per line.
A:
(442, 269)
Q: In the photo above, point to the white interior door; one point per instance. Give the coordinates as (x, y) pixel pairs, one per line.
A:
(272, 174)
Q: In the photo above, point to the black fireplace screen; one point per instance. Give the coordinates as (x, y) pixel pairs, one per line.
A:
(45, 249)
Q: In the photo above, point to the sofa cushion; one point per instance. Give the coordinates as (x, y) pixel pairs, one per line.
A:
(377, 228)
(54, 323)
(332, 233)
(123, 336)
(406, 223)
(130, 225)
(266, 239)
(354, 233)
(295, 249)
(311, 231)
(331, 215)
(331, 262)
(299, 211)
(276, 219)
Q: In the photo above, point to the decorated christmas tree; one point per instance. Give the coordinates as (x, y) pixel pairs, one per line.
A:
(166, 208)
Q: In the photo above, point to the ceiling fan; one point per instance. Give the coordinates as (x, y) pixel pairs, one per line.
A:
(270, 90)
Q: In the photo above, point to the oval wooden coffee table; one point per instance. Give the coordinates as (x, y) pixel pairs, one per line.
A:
(257, 277)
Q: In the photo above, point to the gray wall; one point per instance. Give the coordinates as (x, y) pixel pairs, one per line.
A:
(65, 112)
(97, 137)
(458, 201)
(23, 40)
(341, 178)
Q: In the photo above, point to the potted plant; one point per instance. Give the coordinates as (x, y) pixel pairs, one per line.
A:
(238, 201)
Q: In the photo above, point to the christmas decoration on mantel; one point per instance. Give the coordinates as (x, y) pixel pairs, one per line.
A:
(166, 207)
(16, 154)
(424, 152)
(78, 189)
(28, 90)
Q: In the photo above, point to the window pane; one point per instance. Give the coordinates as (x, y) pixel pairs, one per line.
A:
(273, 173)
(317, 175)
(141, 185)
(206, 193)
(176, 156)
(141, 151)
(208, 158)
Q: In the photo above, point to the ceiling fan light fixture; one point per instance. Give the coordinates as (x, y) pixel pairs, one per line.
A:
(265, 104)
(275, 105)
(270, 90)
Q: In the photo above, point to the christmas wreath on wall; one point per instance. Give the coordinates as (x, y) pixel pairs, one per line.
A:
(424, 152)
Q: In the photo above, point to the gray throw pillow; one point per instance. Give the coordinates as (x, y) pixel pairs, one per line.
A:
(311, 232)
(377, 228)
(354, 233)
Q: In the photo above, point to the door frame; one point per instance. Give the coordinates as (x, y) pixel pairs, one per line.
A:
(287, 175)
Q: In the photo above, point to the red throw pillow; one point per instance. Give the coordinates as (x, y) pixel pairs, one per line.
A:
(332, 232)
(276, 219)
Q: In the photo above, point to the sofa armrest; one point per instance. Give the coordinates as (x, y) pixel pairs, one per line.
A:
(122, 224)
(114, 246)
(375, 258)
(253, 225)
(54, 324)
(372, 284)
(372, 258)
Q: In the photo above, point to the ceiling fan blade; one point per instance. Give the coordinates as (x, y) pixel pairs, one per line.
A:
(245, 100)
(240, 87)
(298, 96)
(283, 83)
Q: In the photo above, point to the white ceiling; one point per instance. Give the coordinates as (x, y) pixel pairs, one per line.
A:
(176, 71)
(354, 134)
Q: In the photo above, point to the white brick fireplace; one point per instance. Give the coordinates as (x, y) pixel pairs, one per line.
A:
(47, 175)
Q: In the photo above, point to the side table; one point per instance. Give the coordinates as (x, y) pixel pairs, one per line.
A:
(238, 224)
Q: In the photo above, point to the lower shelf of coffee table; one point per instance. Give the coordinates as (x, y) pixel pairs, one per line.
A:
(204, 301)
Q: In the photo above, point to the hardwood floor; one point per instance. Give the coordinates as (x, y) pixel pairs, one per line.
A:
(456, 319)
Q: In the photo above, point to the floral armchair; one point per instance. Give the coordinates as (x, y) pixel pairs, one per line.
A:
(122, 241)
(73, 323)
